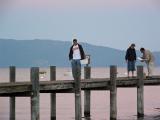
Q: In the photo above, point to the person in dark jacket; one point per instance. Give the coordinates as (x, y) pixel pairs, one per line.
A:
(75, 55)
(131, 59)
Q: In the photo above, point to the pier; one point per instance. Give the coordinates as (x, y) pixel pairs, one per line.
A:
(34, 87)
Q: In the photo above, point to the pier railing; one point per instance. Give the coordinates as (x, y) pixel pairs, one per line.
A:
(33, 88)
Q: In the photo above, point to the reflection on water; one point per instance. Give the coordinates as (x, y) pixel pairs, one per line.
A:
(88, 118)
(100, 102)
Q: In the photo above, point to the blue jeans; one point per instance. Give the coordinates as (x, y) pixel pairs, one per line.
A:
(131, 66)
(76, 68)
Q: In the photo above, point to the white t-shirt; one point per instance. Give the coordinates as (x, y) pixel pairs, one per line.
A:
(76, 52)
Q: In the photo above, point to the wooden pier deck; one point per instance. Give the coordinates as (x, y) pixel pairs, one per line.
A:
(67, 86)
(32, 89)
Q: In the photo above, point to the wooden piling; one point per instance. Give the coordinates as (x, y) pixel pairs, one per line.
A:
(12, 99)
(53, 95)
(140, 92)
(77, 79)
(113, 93)
(87, 93)
(35, 93)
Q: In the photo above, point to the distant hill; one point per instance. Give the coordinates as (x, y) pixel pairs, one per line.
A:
(43, 53)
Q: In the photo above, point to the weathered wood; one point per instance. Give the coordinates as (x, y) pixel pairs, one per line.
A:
(12, 99)
(53, 95)
(113, 93)
(33, 89)
(67, 86)
(77, 81)
(140, 92)
(35, 93)
(87, 93)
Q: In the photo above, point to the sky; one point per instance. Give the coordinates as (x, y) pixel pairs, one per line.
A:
(111, 23)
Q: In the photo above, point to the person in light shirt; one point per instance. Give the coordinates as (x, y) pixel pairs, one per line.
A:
(148, 58)
(75, 55)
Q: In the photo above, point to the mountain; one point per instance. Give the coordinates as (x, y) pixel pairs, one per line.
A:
(43, 53)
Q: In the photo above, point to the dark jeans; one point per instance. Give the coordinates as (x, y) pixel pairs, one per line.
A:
(131, 66)
(76, 68)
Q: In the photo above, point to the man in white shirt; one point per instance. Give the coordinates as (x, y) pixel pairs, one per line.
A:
(75, 55)
(148, 59)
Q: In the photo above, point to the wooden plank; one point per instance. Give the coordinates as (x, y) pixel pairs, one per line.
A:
(67, 86)
(77, 87)
(35, 93)
(12, 100)
(140, 92)
(113, 93)
(87, 93)
(53, 95)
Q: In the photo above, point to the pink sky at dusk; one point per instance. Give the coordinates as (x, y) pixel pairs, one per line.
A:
(98, 21)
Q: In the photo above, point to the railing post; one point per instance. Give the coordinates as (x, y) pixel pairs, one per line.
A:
(140, 92)
(77, 79)
(87, 93)
(35, 93)
(113, 93)
(53, 95)
(12, 99)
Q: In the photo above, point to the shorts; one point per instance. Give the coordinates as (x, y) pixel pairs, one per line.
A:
(131, 66)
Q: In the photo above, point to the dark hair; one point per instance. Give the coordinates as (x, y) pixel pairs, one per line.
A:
(142, 49)
(133, 45)
(74, 40)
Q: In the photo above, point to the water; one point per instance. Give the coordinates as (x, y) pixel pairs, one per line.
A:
(100, 102)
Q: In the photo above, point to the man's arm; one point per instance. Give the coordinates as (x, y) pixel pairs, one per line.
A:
(82, 52)
(126, 56)
(70, 53)
(135, 55)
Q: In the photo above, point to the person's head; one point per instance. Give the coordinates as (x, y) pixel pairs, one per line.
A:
(133, 45)
(75, 42)
(142, 50)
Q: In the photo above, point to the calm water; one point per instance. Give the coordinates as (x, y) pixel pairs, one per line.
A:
(100, 103)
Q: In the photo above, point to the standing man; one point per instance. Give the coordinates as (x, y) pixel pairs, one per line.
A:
(75, 55)
(148, 58)
(131, 59)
